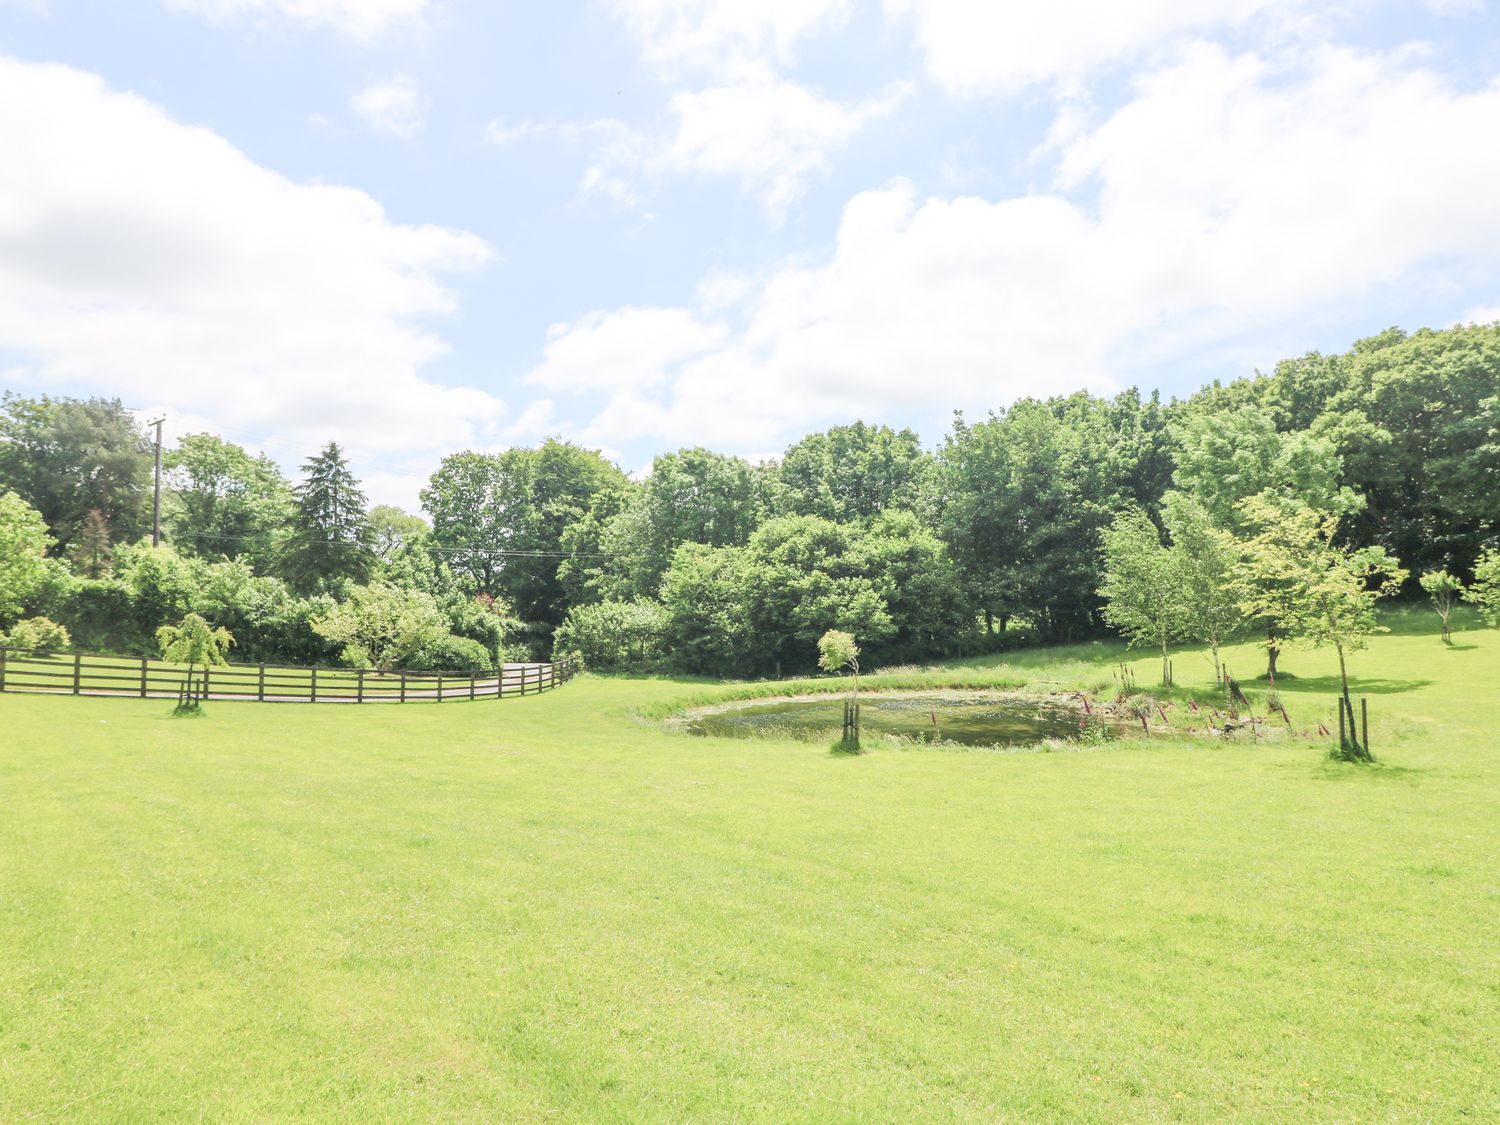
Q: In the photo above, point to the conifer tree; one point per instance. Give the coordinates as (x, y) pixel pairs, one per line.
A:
(331, 539)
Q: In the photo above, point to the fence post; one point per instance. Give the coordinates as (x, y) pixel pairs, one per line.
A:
(360, 695)
(440, 687)
(403, 685)
(314, 684)
(143, 677)
(260, 684)
(473, 677)
(2, 668)
(77, 673)
(205, 683)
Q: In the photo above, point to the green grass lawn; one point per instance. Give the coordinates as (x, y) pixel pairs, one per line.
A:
(552, 909)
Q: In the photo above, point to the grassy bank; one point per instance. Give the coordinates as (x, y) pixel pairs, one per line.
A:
(553, 909)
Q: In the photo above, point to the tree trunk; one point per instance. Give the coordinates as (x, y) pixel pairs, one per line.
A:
(1273, 650)
(1166, 666)
(1218, 673)
(1348, 706)
(989, 622)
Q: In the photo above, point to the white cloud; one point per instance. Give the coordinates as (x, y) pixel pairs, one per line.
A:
(394, 108)
(978, 47)
(773, 134)
(719, 36)
(1229, 198)
(626, 349)
(1488, 314)
(723, 289)
(151, 260)
(735, 112)
(361, 20)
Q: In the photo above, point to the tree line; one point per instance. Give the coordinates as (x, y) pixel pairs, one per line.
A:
(998, 536)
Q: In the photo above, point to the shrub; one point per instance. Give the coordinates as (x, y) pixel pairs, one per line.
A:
(614, 636)
(39, 635)
(449, 654)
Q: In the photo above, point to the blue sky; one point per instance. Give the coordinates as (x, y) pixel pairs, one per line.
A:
(426, 225)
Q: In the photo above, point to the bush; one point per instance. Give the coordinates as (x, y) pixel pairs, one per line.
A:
(449, 654)
(39, 635)
(614, 636)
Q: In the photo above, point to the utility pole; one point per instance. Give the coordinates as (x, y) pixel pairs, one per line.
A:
(156, 498)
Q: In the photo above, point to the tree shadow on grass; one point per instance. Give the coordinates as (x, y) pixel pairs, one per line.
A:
(1332, 685)
(1330, 769)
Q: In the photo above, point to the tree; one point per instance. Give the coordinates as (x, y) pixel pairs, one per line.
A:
(1205, 558)
(1021, 500)
(1226, 455)
(1297, 571)
(23, 549)
(330, 534)
(380, 626)
(66, 457)
(706, 596)
(1142, 586)
(691, 496)
(837, 651)
(90, 552)
(224, 502)
(392, 530)
(504, 516)
(1444, 590)
(192, 642)
(1485, 590)
(852, 473)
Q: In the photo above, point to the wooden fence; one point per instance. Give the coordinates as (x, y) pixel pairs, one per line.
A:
(77, 673)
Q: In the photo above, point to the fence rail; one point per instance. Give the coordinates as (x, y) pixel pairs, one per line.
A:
(79, 673)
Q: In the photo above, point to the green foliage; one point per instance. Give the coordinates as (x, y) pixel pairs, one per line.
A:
(37, 635)
(382, 626)
(90, 554)
(1143, 583)
(1205, 558)
(193, 641)
(504, 517)
(23, 548)
(393, 531)
(837, 651)
(851, 473)
(1226, 456)
(1021, 500)
(1445, 591)
(223, 502)
(1296, 571)
(330, 539)
(66, 457)
(1485, 590)
(612, 636)
(691, 496)
(706, 596)
(447, 653)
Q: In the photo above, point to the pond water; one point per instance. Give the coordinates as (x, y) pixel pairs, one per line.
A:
(970, 722)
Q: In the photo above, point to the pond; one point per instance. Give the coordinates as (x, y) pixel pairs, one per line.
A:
(992, 721)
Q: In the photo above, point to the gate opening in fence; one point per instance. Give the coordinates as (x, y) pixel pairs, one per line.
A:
(77, 673)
